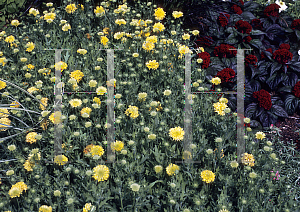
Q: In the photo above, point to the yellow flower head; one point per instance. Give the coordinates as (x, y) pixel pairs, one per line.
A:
(152, 64)
(45, 208)
(60, 160)
(86, 110)
(28, 166)
(118, 35)
(77, 75)
(4, 113)
(158, 27)
(186, 36)
(55, 118)
(71, 8)
(44, 102)
(176, 133)
(61, 66)
(49, 17)
(97, 100)
(148, 45)
(2, 60)
(207, 176)
(216, 80)
(120, 21)
(9, 39)
(248, 159)
(177, 14)
(171, 169)
(104, 40)
(97, 150)
(5, 121)
(2, 84)
(30, 137)
(184, 49)
(152, 39)
(15, 104)
(30, 46)
(34, 12)
(101, 90)
(223, 100)
(260, 135)
(66, 27)
(117, 146)
(15, 23)
(159, 14)
(15, 192)
(30, 66)
(99, 11)
(101, 173)
(132, 111)
(82, 51)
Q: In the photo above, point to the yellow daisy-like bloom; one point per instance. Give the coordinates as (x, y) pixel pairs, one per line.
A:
(260, 135)
(141, 23)
(186, 36)
(120, 22)
(132, 111)
(30, 46)
(101, 173)
(159, 14)
(30, 137)
(142, 96)
(248, 159)
(152, 64)
(97, 150)
(101, 90)
(207, 176)
(158, 27)
(97, 100)
(28, 166)
(77, 75)
(45, 208)
(104, 40)
(176, 133)
(21, 185)
(171, 169)
(55, 118)
(105, 30)
(216, 80)
(224, 210)
(49, 17)
(71, 8)
(14, 192)
(117, 146)
(195, 32)
(184, 49)
(177, 14)
(5, 121)
(61, 66)
(87, 207)
(34, 12)
(4, 113)
(75, 102)
(152, 39)
(60, 160)
(99, 11)
(81, 6)
(66, 27)
(223, 100)
(148, 45)
(15, 23)
(9, 39)
(219, 108)
(86, 110)
(2, 59)
(82, 51)
(2, 84)
(118, 35)
(44, 102)
(15, 104)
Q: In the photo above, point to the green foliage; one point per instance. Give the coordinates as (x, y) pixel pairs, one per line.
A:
(9, 9)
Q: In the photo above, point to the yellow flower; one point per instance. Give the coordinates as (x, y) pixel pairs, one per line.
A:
(15, 23)
(9, 39)
(61, 66)
(195, 32)
(176, 133)
(223, 100)
(101, 90)
(30, 46)
(71, 8)
(81, 6)
(142, 96)
(15, 104)
(30, 66)
(32, 89)
(34, 12)
(184, 49)
(260, 135)
(45, 208)
(148, 45)
(97, 150)
(216, 80)
(152, 64)
(2, 84)
(105, 30)
(234, 164)
(120, 21)
(23, 59)
(5, 121)
(186, 36)
(97, 100)
(87, 207)
(82, 51)
(86, 110)
(15, 192)
(177, 14)
(158, 27)
(44, 102)
(224, 210)
(152, 39)
(30, 137)
(99, 11)
(171, 169)
(101, 173)
(4, 113)
(118, 35)
(77, 75)
(49, 17)
(75, 102)
(133, 111)
(158, 169)
(60, 160)
(28, 166)
(104, 40)
(219, 108)
(66, 27)
(207, 176)
(248, 159)
(55, 118)
(159, 14)
(117, 146)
